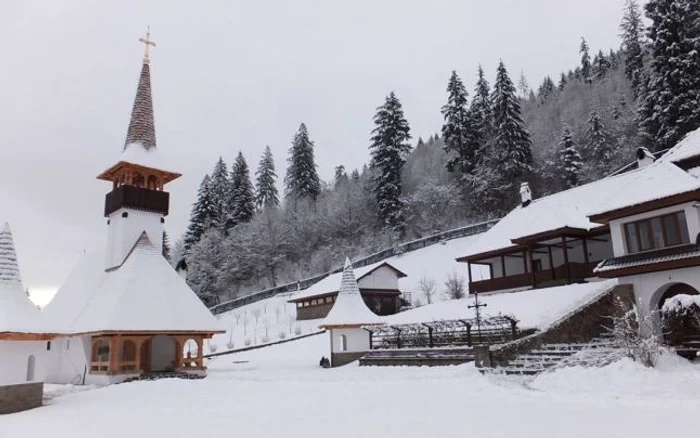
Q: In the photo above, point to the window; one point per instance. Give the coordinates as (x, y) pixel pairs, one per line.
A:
(314, 302)
(48, 346)
(343, 343)
(299, 305)
(329, 299)
(657, 232)
(30, 368)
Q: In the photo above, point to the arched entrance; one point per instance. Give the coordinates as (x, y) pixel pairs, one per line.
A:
(163, 351)
(680, 319)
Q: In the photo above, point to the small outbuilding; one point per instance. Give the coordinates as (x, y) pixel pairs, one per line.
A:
(349, 341)
(378, 284)
(24, 337)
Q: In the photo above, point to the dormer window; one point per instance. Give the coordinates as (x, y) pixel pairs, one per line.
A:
(657, 232)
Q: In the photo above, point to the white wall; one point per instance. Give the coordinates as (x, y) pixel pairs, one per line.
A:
(382, 278)
(67, 359)
(124, 231)
(692, 217)
(14, 358)
(357, 340)
(649, 287)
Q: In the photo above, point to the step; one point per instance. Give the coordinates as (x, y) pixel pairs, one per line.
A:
(560, 353)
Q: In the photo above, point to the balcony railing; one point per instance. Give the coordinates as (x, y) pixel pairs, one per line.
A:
(565, 273)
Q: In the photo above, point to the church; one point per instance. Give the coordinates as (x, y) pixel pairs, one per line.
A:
(124, 311)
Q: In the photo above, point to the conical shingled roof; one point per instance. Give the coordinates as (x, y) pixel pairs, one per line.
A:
(142, 127)
(9, 268)
(349, 309)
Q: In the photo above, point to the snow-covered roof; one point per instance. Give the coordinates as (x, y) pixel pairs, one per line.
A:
(143, 294)
(687, 148)
(17, 313)
(331, 283)
(571, 208)
(136, 153)
(349, 308)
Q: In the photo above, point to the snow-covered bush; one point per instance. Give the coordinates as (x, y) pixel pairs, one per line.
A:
(248, 342)
(283, 335)
(634, 331)
(455, 287)
(680, 316)
(297, 330)
(212, 347)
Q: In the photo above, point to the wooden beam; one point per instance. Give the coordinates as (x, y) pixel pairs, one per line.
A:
(551, 263)
(585, 250)
(503, 266)
(532, 268)
(566, 259)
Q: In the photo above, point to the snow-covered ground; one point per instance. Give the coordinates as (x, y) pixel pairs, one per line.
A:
(280, 391)
(276, 319)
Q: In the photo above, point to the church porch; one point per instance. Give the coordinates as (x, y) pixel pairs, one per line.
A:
(121, 356)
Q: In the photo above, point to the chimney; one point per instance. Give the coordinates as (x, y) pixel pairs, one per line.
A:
(644, 157)
(525, 194)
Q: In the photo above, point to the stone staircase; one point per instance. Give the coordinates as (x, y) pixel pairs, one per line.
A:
(418, 357)
(597, 352)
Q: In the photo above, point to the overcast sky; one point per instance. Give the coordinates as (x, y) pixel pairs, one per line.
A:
(236, 75)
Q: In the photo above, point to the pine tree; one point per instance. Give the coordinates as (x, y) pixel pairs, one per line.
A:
(546, 90)
(166, 246)
(601, 65)
(570, 159)
(632, 29)
(203, 216)
(670, 108)
(388, 151)
(302, 181)
(599, 141)
(341, 177)
(523, 86)
(562, 82)
(266, 195)
(461, 141)
(219, 185)
(512, 146)
(241, 205)
(585, 62)
(480, 109)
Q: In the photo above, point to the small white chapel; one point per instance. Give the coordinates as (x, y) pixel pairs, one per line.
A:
(124, 311)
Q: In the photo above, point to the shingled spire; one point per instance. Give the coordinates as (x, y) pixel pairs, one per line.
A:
(142, 129)
(9, 268)
(349, 309)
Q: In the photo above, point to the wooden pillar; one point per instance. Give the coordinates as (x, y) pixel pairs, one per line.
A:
(503, 266)
(566, 259)
(551, 262)
(585, 250)
(525, 261)
(200, 356)
(532, 267)
(179, 347)
(139, 343)
(469, 270)
(114, 355)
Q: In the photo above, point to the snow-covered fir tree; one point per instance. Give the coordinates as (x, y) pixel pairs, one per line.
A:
(570, 159)
(600, 143)
(388, 151)
(340, 177)
(241, 201)
(632, 29)
(512, 149)
(266, 195)
(601, 65)
(219, 189)
(302, 181)
(480, 109)
(562, 82)
(205, 263)
(204, 214)
(166, 246)
(671, 108)
(461, 141)
(586, 73)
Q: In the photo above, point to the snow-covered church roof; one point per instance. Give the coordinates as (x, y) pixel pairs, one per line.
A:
(17, 313)
(349, 309)
(144, 294)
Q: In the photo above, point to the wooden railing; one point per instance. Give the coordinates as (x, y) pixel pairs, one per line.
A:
(571, 272)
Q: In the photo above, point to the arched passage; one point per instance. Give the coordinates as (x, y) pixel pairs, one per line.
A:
(680, 323)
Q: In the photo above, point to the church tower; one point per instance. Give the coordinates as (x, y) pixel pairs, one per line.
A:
(138, 201)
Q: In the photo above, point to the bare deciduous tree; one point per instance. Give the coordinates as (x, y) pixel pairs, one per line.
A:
(427, 288)
(455, 287)
(635, 332)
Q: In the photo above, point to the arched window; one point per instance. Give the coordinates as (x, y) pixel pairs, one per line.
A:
(153, 182)
(138, 180)
(343, 343)
(30, 368)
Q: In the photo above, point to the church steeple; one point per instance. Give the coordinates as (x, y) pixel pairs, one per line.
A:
(141, 127)
(9, 268)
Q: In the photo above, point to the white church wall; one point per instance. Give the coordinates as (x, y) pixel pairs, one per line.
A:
(68, 359)
(15, 357)
(382, 278)
(356, 340)
(124, 231)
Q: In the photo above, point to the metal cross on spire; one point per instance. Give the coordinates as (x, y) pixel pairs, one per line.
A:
(477, 309)
(148, 43)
